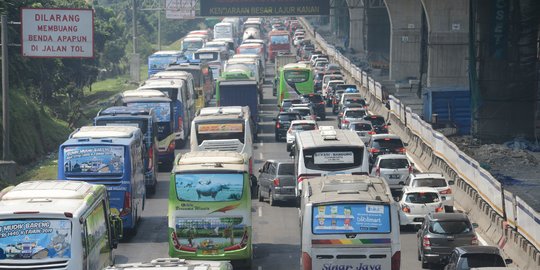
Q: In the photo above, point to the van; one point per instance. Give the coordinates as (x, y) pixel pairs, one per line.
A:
(110, 156)
(144, 119)
(57, 225)
(349, 222)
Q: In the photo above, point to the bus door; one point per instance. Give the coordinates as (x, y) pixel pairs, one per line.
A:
(350, 235)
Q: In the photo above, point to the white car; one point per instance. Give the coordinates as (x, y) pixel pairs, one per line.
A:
(298, 39)
(416, 203)
(363, 128)
(297, 126)
(306, 112)
(436, 181)
(394, 168)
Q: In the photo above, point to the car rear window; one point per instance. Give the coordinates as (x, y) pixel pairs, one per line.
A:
(288, 117)
(450, 227)
(481, 260)
(394, 163)
(286, 169)
(303, 112)
(429, 182)
(421, 197)
(355, 114)
(387, 143)
(355, 101)
(314, 98)
(376, 120)
(303, 127)
(360, 127)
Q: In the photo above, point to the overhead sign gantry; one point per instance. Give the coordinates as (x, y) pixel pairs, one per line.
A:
(224, 8)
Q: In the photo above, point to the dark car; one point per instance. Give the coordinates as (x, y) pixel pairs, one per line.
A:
(316, 102)
(381, 144)
(467, 257)
(276, 181)
(379, 124)
(283, 121)
(440, 233)
(286, 104)
(317, 79)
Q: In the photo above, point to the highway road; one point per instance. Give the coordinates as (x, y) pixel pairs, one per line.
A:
(276, 238)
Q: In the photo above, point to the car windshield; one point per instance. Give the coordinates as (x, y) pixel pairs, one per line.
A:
(303, 127)
(481, 260)
(394, 163)
(303, 112)
(355, 101)
(279, 39)
(421, 197)
(450, 227)
(360, 127)
(355, 114)
(286, 169)
(429, 182)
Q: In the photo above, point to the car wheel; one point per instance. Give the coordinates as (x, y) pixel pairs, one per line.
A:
(288, 148)
(419, 256)
(271, 200)
(259, 195)
(277, 137)
(425, 264)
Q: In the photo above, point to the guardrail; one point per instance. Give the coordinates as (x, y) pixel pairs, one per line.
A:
(482, 188)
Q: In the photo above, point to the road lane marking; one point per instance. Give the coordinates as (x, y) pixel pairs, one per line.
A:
(260, 155)
(259, 268)
(260, 211)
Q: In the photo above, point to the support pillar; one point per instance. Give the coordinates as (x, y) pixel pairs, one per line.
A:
(333, 18)
(405, 25)
(356, 25)
(448, 39)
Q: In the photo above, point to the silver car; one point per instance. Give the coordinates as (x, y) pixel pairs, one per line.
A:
(351, 114)
(394, 168)
(363, 128)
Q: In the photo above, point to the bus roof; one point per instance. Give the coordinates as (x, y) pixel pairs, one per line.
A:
(209, 49)
(328, 138)
(174, 264)
(171, 74)
(211, 160)
(56, 197)
(237, 111)
(143, 93)
(166, 53)
(338, 188)
(123, 110)
(165, 82)
(296, 66)
(98, 132)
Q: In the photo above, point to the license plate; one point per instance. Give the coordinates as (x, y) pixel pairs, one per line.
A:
(418, 219)
(394, 176)
(362, 134)
(210, 252)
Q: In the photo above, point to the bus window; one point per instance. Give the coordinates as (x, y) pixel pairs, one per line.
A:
(333, 159)
(220, 131)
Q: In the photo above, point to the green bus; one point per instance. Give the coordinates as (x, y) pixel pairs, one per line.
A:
(210, 207)
(295, 80)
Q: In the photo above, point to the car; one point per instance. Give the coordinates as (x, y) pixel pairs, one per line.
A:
(297, 126)
(317, 80)
(416, 203)
(335, 100)
(352, 101)
(327, 91)
(379, 123)
(442, 232)
(436, 181)
(350, 114)
(282, 123)
(304, 110)
(476, 257)
(363, 128)
(394, 168)
(329, 85)
(320, 64)
(287, 103)
(276, 181)
(381, 144)
(331, 68)
(316, 102)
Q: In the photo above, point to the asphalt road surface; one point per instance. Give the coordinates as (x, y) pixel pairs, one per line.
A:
(276, 232)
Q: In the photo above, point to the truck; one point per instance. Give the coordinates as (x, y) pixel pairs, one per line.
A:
(236, 87)
(280, 61)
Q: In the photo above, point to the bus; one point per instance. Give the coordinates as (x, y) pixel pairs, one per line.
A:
(191, 45)
(163, 107)
(224, 30)
(328, 151)
(72, 226)
(110, 156)
(146, 120)
(225, 129)
(215, 57)
(278, 42)
(203, 80)
(158, 61)
(295, 80)
(210, 207)
(349, 222)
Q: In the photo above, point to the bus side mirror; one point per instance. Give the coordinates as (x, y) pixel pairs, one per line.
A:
(116, 227)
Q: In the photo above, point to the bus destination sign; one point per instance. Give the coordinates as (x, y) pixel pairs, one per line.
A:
(223, 8)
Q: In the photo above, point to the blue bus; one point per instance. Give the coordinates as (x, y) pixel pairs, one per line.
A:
(164, 109)
(110, 156)
(146, 120)
(160, 60)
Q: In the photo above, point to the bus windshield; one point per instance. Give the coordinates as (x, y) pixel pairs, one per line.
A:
(296, 76)
(94, 160)
(160, 62)
(31, 239)
(162, 109)
(347, 218)
(209, 56)
(222, 31)
(279, 39)
(220, 131)
(209, 187)
(191, 45)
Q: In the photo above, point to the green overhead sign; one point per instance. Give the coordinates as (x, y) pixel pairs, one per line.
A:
(258, 8)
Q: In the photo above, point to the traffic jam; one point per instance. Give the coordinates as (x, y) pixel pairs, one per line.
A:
(198, 118)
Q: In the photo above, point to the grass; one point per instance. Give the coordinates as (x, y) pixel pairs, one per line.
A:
(45, 170)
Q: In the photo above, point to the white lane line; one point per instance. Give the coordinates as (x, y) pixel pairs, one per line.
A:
(260, 155)
(260, 211)
(259, 268)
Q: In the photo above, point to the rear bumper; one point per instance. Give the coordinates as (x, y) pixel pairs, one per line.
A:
(435, 258)
(405, 219)
(164, 157)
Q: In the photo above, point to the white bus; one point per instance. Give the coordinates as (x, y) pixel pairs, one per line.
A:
(224, 30)
(328, 151)
(226, 128)
(349, 222)
(173, 264)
